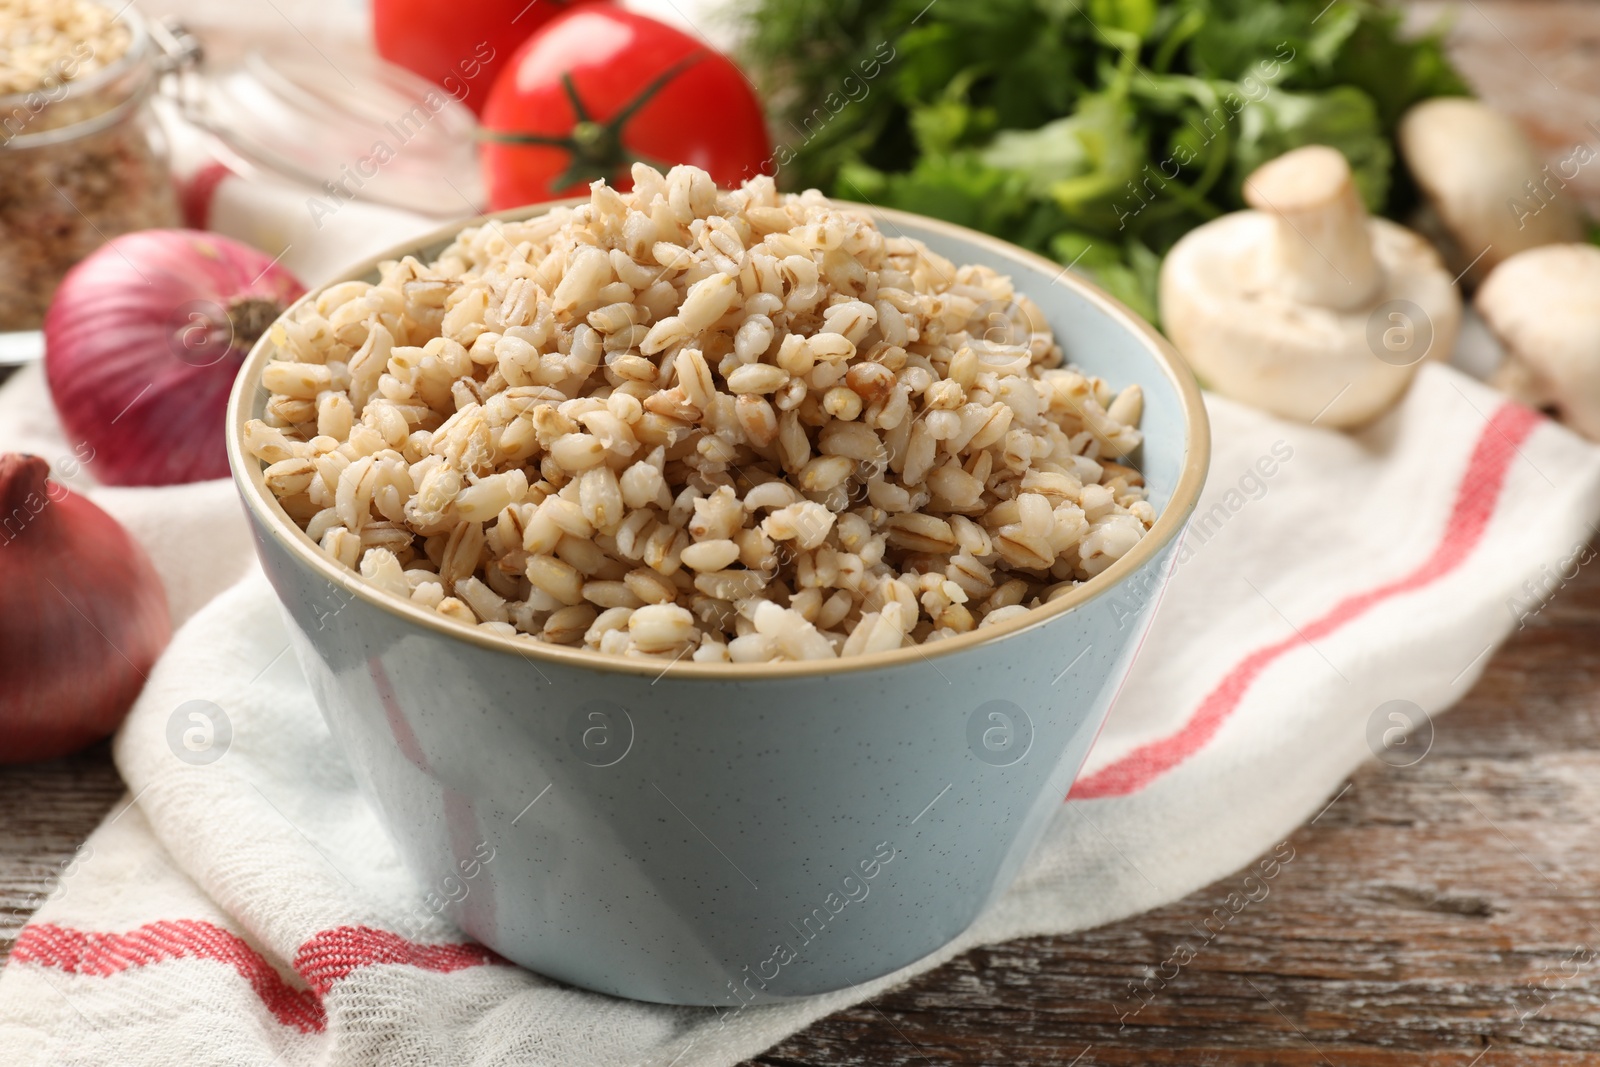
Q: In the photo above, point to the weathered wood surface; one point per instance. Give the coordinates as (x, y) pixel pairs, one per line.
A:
(1443, 914)
(45, 811)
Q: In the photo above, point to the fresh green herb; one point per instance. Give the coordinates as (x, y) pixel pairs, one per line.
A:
(1098, 132)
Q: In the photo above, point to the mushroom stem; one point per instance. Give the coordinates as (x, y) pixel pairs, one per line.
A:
(1322, 251)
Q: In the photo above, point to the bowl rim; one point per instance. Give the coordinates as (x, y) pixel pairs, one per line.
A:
(1169, 524)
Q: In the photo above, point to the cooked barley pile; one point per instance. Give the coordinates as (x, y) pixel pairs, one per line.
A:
(735, 425)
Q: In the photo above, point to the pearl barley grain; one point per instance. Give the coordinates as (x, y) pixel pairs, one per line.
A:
(686, 423)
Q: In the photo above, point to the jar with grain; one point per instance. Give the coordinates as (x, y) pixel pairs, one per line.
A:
(82, 156)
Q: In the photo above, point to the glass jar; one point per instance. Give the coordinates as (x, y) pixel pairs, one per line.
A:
(81, 161)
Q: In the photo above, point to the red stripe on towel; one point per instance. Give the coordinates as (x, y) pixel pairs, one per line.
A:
(197, 194)
(1475, 501)
(103, 955)
(323, 960)
(331, 955)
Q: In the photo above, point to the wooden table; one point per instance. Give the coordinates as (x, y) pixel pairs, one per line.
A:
(1441, 914)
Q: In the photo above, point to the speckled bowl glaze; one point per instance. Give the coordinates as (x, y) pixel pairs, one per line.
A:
(722, 834)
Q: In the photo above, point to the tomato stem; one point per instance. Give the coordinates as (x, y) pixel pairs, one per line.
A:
(644, 95)
(595, 148)
(578, 110)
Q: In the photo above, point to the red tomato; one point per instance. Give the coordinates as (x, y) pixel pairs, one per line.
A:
(599, 88)
(459, 46)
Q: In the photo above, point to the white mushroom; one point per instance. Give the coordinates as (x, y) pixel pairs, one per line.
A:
(1305, 306)
(1488, 196)
(1544, 305)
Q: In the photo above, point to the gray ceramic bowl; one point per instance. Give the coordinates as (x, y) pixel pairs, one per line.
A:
(722, 833)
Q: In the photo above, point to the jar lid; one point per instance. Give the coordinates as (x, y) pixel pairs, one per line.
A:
(351, 126)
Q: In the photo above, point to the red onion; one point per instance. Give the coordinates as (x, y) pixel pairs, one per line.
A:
(142, 343)
(82, 616)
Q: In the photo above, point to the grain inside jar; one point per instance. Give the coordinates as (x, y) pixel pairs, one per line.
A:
(82, 158)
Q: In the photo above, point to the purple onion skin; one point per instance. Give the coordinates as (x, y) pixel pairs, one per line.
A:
(142, 343)
(83, 616)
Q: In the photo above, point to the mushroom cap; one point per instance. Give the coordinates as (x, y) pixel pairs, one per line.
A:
(1225, 306)
(1474, 165)
(1544, 305)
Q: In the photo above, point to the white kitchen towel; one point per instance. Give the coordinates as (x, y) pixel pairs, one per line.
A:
(251, 910)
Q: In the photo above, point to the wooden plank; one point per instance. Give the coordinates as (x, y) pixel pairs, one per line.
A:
(47, 809)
